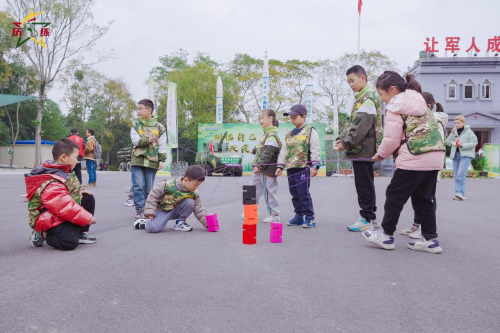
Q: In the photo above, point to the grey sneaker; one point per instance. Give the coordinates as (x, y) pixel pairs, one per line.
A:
(37, 239)
(86, 239)
(182, 226)
(431, 245)
(271, 218)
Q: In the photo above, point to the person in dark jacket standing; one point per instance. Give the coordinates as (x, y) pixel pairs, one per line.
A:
(264, 164)
(360, 140)
(79, 141)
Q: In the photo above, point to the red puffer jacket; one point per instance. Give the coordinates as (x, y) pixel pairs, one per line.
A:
(57, 203)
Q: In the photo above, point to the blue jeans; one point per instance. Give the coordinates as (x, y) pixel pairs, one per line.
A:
(142, 182)
(460, 167)
(91, 166)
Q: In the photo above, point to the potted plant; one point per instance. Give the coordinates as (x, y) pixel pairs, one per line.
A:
(480, 164)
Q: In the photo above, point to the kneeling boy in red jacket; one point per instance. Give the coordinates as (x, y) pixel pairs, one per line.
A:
(60, 210)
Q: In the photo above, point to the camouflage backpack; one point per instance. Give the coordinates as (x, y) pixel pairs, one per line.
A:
(151, 153)
(297, 154)
(260, 148)
(173, 196)
(422, 134)
(35, 205)
(379, 131)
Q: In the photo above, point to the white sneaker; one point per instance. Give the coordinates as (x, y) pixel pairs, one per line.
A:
(129, 203)
(379, 238)
(431, 245)
(271, 218)
(140, 223)
(182, 226)
(459, 197)
(412, 231)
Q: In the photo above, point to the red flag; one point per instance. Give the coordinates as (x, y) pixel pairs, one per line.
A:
(212, 148)
(360, 3)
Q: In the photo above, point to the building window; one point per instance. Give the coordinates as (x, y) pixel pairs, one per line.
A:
(486, 90)
(451, 92)
(469, 92)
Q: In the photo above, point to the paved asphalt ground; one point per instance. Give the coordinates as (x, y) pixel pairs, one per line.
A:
(325, 279)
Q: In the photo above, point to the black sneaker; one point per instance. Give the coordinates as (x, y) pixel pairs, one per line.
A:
(37, 239)
(182, 226)
(86, 239)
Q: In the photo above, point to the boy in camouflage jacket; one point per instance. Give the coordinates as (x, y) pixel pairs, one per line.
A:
(150, 152)
(360, 141)
(175, 199)
(60, 210)
(301, 156)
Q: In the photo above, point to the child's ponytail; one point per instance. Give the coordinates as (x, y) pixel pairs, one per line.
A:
(439, 107)
(271, 113)
(412, 83)
(429, 99)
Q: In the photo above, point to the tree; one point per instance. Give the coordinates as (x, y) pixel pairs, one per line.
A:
(80, 83)
(112, 106)
(331, 79)
(248, 73)
(196, 89)
(72, 32)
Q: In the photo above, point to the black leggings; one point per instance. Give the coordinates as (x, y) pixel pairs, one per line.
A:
(66, 236)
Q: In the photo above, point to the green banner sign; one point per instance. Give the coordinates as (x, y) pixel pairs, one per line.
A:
(240, 139)
(492, 153)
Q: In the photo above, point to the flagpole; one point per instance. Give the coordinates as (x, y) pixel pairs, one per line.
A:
(359, 33)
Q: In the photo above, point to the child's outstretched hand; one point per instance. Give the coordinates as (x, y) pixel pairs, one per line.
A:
(314, 172)
(82, 190)
(279, 172)
(92, 221)
(339, 145)
(377, 158)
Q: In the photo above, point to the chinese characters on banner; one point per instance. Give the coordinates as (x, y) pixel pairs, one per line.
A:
(172, 115)
(452, 44)
(309, 97)
(219, 101)
(265, 92)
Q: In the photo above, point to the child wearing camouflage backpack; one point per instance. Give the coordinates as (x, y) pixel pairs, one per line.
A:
(360, 141)
(60, 210)
(411, 132)
(264, 164)
(150, 152)
(175, 199)
(301, 156)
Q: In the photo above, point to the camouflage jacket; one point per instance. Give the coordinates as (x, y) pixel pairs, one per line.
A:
(169, 193)
(267, 152)
(364, 131)
(148, 154)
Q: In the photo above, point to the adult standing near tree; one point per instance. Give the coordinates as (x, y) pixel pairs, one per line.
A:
(463, 142)
(90, 148)
(79, 141)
